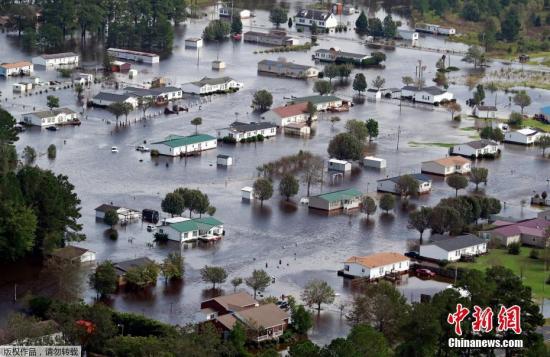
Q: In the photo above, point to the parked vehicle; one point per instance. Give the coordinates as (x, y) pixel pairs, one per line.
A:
(51, 128)
(425, 273)
(151, 228)
(114, 149)
(143, 148)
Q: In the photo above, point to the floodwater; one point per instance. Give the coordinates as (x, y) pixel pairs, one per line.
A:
(308, 245)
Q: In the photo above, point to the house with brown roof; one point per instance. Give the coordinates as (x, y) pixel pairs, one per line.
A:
(447, 166)
(376, 265)
(292, 113)
(261, 322)
(74, 254)
(16, 68)
(533, 232)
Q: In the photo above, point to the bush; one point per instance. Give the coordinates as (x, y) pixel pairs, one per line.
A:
(452, 69)
(514, 248)
(243, 140)
(443, 263)
(260, 137)
(161, 237)
(155, 153)
(534, 254)
(457, 118)
(112, 234)
(229, 140)
(39, 306)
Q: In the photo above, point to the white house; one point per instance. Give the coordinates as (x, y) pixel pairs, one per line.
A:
(136, 56)
(74, 254)
(321, 102)
(374, 94)
(226, 11)
(376, 265)
(161, 95)
(205, 228)
(525, 136)
(436, 29)
(16, 69)
(83, 78)
(343, 199)
(275, 37)
(485, 111)
(391, 184)
(374, 162)
(176, 145)
(477, 148)
(224, 160)
(193, 42)
(408, 35)
(453, 248)
(212, 85)
(325, 20)
(432, 95)
(339, 165)
(240, 130)
(247, 193)
(293, 113)
(333, 55)
(447, 166)
(298, 129)
(104, 99)
(50, 117)
(287, 69)
(56, 59)
(22, 87)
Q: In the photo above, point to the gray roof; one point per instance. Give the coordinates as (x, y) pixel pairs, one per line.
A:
(343, 54)
(143, 92)
(299, 67)
(432, 90)
(112, 97)
(105, 207)
(450, 244)
(212, 81)
(480, 144)
(244, 127)
(486, 108)
(222, 156)
(273, 34)
(134, 263)
(50, 113)
(58, 55)
(417, 177)
(314, 14)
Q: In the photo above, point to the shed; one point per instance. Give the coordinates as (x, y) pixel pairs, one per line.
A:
(374, 94)
(247, 193)
(224, 160)
(217, 65)
(193, 42)
(339, 165)
(375, 162)
(132, 73)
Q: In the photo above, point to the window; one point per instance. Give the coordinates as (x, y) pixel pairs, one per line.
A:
(362, 270)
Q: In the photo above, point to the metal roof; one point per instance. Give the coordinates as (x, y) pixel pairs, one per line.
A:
(244, 127)
(417, 177)
(340, 195)
(177, 141)
(450, 244)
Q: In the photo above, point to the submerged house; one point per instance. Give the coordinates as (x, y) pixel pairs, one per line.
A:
(430, 95)
(476, 149)
(209, 85)
(335, 55)
(187, 230)
(447, 166)
(176, 145)
(273, 37)
(55, 116)
(324, 20)
(287, 69)
(239, 130)
(376, 265)
(391, 184)
(289, 114)
(343, 199)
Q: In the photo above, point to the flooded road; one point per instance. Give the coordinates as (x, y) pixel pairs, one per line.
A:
(309, 245)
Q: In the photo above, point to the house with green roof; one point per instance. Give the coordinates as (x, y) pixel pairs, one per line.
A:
(347, 199)
(177, 145)
(321, 102)
(204, 228)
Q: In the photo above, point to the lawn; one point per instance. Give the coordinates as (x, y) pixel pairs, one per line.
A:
(536, 124)
(441, 145)
(534, 275)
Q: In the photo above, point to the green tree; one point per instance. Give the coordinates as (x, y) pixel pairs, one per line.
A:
(344, 71)
(479, 94)
(444, 219)
(458, 182)
(390, 28)
(288, 186)
(334, 120)
(277, 16)
(258, 281)
(345, 146)
(331, 71)
(236, 25)
(311, 110)
(407, 186)
(173, 266)
(145, 103)
(378, 82)
(420, 331)
(368, 206)
(236, 282)
(543, 142)
(317, 292)
(407, 80)
(360, 83)
(52, 101)
(216, 30)
(52, 152)
(173, 203)
(117, 109)
(375, 27)
(29, 154)
(312, 172)
(8, 134)
(475, 55)
(111, 218)
(372, 128)
(493, 134)
(322, 87)
(420, 220)
(263, 190)
(362, 24)
(104, 279)
(479, 175)
(301, 320)
(358, 129)
(17, 233)
(142, 276)
(515, 120)
(381, 306)
(237, 338)
(511, 25)
(522, 99)
(387, 202)
(290, 22)
(196, 122)
(214, 275)
(304, 349)
(263, 99)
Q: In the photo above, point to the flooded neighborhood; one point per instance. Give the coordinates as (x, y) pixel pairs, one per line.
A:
(141, 134)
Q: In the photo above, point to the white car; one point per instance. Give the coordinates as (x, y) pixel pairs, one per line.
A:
(114, 149)
(151, 228)
(143, 148)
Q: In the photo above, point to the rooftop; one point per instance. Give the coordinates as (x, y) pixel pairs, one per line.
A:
(175, 141)
(51, 113)
(433, 90)
(450, 244)
(480, 144)
(285, 64)
(291, 110)
(342, 54)
(321, 15)
(126, 265)
(196, 224)
(317, 99)
(112, 97)
(236, 301)
(244, 127)
(378, 259)
(69, 252)
(263, 316)
(534, 227)
(16, 64)
(527, 131)
(212, 81)
(417, 177)
(58, 55)
(486, 108)
(146, 54)
(450, 161)
(340, 195)
(105, 207)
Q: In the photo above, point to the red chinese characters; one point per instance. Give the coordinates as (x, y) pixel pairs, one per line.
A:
(457, 317)
(509, 319)
(483, 319)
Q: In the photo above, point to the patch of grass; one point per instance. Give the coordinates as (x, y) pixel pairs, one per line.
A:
(441, 145)
(473, 137)
(531, 270)
(536, 124)
(469, 128)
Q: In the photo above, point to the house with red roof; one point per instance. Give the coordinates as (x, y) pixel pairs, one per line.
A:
(292, 113)
(533, 232)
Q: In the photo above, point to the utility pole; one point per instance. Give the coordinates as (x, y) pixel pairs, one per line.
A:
(398, 135)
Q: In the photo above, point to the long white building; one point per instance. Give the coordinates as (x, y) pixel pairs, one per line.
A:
(239, 130)
(325, 20)
(176, 145)
(16, 68)
(376, 265)
(453, 248)
(136, 56)
(209, 85)
(430, 95)
(55, 60)
(50, 117)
